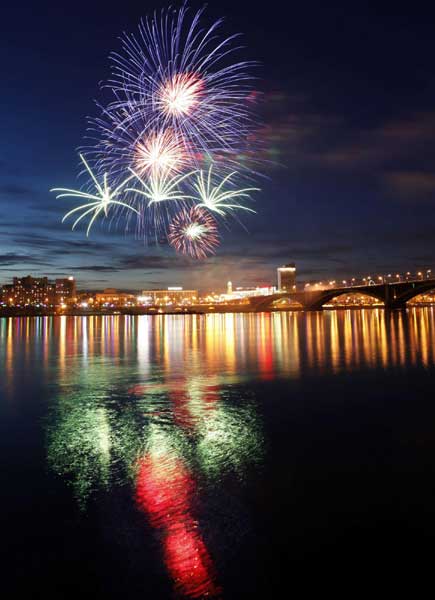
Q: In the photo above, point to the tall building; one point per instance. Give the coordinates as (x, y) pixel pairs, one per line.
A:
(38, 291)
(287, 277)
(66, 291)
(229, 287)
(32, 290)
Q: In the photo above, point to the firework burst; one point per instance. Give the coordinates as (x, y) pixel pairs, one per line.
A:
(175, 74)
(98, 203)
(217, 198)
(180, 95)
(160, 152)
(194, 232)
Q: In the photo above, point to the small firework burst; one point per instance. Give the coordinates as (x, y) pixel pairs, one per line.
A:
(217, 198)
(98, 203)
(180, 94)
(194, 232)
(159, 152)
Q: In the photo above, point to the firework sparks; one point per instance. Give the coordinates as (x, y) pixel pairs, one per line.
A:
(160, 152)
(161, 187)
(177, 74)
(98, 203)
(216, 198)
(180, 94)
(194, 232)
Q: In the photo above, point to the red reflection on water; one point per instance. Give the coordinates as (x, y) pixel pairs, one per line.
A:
(163, 487)
(163, 490)
(188, 560)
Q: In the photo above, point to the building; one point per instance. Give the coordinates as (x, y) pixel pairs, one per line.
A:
(31, 291)
(168, 297)
(7, 294)
(286, 277)
(240, 293)
(66, 291)
(111, 297)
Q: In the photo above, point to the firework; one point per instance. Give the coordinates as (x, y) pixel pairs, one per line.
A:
(177, 75)
(218, 199)
(159, 152)
(161, 187)
(194, 232)
(180, 95)
(98, 203)
(179, 101)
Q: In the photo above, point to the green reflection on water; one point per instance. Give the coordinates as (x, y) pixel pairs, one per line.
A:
(79, 446)
(95, 442)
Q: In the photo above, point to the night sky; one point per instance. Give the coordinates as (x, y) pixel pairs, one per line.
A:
(348, 104)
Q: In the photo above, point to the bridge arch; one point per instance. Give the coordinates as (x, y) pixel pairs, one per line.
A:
(268, 302)
(326, 296)
(354, 298)
(415, 289)
(286, 302)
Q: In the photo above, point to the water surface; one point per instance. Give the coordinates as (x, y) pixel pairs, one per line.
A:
(225, 456)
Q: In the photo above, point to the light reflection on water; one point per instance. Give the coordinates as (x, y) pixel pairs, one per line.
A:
(229, 346)
(152, 402)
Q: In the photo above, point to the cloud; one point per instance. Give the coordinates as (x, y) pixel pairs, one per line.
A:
(94, 268)
(48, 243)
(306, 141)
(412, 185)
(153, 262)
(12, 258)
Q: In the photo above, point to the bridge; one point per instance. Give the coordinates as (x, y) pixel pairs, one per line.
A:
(392, 295)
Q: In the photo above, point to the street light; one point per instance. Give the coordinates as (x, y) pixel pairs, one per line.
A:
(420, 274)
(428, 272)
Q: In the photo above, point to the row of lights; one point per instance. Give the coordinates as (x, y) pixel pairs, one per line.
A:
(370, 281)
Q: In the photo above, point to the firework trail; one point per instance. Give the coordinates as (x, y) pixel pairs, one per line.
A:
(194, 232)
(100, 202)
(217, 198)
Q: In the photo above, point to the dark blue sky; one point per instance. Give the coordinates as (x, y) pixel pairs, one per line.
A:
(349, 110)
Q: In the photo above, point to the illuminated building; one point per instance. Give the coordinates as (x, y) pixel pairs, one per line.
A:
(38, 291)
(66, 291)
(32, 291)
(111, 297)
(287, 277)
(7, 294)
(250, 292)
(240, 293)
(172, 295)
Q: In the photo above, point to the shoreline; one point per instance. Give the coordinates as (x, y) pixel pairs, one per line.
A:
(203, 311)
